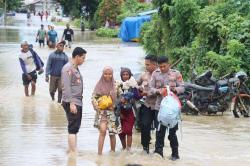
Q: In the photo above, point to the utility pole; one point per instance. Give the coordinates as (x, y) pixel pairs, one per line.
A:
(46, 5)
(5, 11)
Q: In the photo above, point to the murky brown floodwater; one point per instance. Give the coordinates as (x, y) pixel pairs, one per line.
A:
(33, 129)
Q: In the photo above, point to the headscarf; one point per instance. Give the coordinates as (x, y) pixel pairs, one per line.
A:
(125, 69)
(104, 87)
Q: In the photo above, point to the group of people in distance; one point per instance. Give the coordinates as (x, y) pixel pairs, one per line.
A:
(113, 100)
(52, 37)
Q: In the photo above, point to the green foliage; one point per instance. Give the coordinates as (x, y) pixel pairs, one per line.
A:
(205, 34)
(91, 7)
(132, 8)
(77, 22)
(73, 8)
(186, 54)
(203, 3)
(107, 32)
(151, 41)
(209, 25)
(235, 49)
(182, 22)
(108, 10)
(174, 26)
(10, 4)
(221, 65)
(123, 15)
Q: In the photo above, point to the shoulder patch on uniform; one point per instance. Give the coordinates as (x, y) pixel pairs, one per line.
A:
(69, 72)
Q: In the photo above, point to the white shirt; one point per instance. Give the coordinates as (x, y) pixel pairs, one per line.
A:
(28, 61)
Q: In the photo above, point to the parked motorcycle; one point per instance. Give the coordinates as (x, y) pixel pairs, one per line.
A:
(206, 95)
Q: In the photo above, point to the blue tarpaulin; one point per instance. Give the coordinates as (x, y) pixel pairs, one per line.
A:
(131, 27)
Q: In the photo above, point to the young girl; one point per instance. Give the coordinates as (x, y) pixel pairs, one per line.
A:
(106, 117)
(125, 104)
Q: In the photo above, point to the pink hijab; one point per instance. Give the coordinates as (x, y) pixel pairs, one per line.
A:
(104, 87)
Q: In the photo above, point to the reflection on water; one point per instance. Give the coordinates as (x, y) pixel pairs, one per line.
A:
(34, 129)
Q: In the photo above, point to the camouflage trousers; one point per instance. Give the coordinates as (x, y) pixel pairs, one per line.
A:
(107, 116)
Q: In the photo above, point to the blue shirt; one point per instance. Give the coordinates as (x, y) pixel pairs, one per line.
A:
(52, 35)
(55, 63)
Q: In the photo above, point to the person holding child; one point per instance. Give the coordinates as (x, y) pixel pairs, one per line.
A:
(127, 95)
(103, 99)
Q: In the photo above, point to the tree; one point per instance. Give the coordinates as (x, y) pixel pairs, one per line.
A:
(71, 8)
(108, 10)
(91, 7)
(205, 34)
(10, 4)
(131, 8)
(74, 8)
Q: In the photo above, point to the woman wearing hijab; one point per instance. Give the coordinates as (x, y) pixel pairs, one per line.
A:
(126, 102)
(106, 117)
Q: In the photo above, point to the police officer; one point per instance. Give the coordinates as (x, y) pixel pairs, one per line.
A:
(72, 89)
(147, 112)
(160, 79)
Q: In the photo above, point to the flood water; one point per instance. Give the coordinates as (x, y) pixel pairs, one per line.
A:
(33, 130)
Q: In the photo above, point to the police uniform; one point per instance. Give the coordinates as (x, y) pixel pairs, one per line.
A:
(147, 112)
(72, 89)
(172, 78)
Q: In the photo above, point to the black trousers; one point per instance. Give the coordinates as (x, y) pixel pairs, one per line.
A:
(147, 116)
(172, 137)
(74, 120)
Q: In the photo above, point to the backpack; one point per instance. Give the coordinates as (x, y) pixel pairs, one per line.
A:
(170, 110)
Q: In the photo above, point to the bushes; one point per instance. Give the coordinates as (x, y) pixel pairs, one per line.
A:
(116, 10)
(221, 65)
(206, 36)
(77, 22)
(131, 8)
(107, 32)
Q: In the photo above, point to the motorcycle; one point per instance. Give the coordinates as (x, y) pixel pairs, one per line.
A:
(207, 95)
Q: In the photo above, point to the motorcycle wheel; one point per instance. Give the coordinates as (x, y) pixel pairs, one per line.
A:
(242, 110)
(188, 111)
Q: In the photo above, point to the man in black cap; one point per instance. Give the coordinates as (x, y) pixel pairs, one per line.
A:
(55, 63)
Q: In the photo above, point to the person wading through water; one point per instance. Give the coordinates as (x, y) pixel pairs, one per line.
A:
(54, 66)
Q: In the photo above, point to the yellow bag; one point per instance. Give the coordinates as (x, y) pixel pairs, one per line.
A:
(104, 102)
